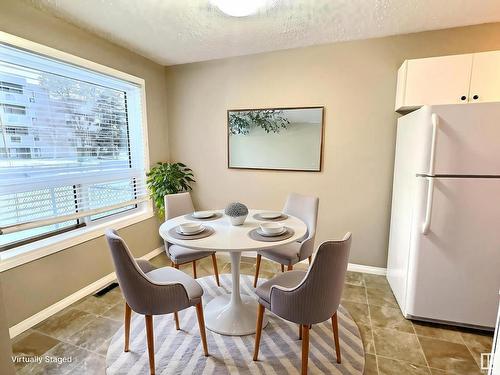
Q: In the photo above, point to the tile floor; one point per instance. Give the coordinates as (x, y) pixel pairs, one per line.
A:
(393, 344)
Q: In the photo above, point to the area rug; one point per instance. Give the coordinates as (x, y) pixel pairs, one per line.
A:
(180, 352)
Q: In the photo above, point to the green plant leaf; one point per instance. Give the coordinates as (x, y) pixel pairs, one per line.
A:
(271, 120)
(168, 178)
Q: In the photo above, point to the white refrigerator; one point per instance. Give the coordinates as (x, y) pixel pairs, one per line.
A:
(444, 245)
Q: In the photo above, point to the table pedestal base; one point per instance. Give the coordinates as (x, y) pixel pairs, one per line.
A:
(233, 314)
(225, 318)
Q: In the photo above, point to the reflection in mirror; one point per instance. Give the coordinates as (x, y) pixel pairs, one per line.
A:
(275, 138)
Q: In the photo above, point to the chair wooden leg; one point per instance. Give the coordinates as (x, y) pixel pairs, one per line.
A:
(216, 270)
(151, 348)
(310, 259)
(282, 268)
(290, 268)
(176, 266)
(257, 268)
(176, 318)
(335, 326)
(300, 331)
(128, 313)
(194, 269)
(258, 332)
(305, 348)
(201, 324)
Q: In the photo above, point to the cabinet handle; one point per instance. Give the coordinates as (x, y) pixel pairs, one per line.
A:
(475, 97)
(463, 97)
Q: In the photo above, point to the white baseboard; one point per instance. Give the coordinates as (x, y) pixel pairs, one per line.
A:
(350, 267)
(62, 304)
(366, 269)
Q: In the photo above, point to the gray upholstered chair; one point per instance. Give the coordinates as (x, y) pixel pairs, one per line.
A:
(308, 298)
(305, 208)
(177, 205)
(153, 291)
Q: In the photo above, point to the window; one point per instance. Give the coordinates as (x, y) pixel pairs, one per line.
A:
(11, 87)
(18, 153)
(14, 109)
(23, 130)
(89, 161)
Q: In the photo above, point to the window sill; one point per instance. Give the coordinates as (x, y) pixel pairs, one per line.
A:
(39, 249)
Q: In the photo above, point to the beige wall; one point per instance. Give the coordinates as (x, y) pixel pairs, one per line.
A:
(6, 365)
(355, 81)
(34, 286)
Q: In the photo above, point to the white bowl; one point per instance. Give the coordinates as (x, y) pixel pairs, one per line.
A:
(203, 214)
(190, 227)
(270, 215)
(271, 228)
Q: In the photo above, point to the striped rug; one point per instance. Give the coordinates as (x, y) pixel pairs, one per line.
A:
(180, 352)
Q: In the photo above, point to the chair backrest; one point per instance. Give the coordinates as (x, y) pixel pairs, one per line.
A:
(317, 297)
(306, 209)
(177, 205)
(142, 295)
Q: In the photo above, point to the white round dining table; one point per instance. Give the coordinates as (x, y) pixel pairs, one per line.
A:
(232, 314)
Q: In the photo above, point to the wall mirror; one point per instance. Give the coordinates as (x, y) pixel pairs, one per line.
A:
(275, 138)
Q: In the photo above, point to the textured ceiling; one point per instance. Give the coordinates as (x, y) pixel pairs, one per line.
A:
(181, 31)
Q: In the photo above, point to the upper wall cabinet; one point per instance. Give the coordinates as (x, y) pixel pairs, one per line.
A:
(485, 79)
(448, 80)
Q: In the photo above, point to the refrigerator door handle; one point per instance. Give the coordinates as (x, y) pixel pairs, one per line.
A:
(435, 124)
(430, 188)
(428, 209)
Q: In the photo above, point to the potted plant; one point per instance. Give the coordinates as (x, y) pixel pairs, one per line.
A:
(237, 213)
(168, 178)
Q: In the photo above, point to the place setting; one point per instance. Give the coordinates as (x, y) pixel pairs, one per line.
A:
(271, 232)
(270, 216)
(203, 215)
(190, 231)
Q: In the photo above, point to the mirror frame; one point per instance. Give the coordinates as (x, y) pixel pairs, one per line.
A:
(278, 169)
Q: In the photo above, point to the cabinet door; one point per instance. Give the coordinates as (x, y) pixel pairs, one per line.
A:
(438, 80)
(485, 80)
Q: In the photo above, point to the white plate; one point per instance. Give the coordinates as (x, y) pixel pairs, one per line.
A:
(179, 231)
(203, 214)
(259, 231)
(270, 215)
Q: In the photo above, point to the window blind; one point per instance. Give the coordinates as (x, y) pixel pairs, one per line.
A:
(71, 146)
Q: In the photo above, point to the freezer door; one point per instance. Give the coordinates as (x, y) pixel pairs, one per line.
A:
(466, 142)
(454, 269)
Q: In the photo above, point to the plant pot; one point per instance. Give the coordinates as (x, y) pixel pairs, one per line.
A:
(237, 220)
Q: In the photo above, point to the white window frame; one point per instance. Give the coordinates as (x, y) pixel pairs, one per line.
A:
(40, 248)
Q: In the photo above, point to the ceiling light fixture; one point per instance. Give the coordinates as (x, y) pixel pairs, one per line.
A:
(241, 8)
